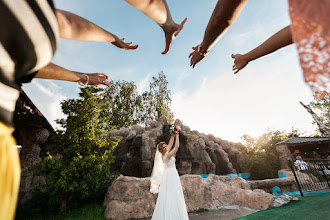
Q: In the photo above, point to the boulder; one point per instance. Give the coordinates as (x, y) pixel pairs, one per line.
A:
(129, 197)
(281, 200)
(198, 153)
(287, 184)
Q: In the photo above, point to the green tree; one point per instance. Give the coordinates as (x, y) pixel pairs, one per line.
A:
(262, 159)
(157, 100)
(126, 104)
(79, 159)
(323, 106)
(128, 107)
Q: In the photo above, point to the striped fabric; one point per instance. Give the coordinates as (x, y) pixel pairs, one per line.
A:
(28, 39)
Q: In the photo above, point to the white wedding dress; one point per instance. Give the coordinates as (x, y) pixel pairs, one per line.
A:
(170, 203)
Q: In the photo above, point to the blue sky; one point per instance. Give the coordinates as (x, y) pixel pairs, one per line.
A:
(210, 98)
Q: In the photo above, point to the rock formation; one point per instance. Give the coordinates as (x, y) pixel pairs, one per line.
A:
(284, 154)
(129, 197)
(287, 184)
(198, 153)
(32, 130)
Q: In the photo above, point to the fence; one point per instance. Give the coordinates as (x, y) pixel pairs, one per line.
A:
(311, 175)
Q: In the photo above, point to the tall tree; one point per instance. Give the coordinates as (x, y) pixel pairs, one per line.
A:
(128, 107)
(126, 104)
(323, 106)
(79, 159)
(262, 159)
(157, 100)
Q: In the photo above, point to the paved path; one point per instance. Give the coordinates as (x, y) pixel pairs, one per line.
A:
(226, 213)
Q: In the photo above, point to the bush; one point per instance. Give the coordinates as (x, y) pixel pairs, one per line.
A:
(80, 156)
(262, 159)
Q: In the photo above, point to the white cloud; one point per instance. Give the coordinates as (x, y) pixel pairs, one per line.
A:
(142, 85)
(260, 97)
(46, 97)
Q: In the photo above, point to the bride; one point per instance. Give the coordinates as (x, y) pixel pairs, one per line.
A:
(165, 181)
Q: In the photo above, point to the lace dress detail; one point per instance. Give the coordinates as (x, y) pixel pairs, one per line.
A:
(311, 33)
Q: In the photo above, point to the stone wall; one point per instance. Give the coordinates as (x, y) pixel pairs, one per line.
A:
(284, 155)
(198, 153)
(287, 184)
(129, 197)
(32, 131)
(32, 140)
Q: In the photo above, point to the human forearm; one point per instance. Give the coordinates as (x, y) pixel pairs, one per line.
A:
(224, 15)
(175, 149)
(157, 10)
(275, 42)
(74, 27)
(52, 71)
(170, 143)
(281, 39)
(177, 143)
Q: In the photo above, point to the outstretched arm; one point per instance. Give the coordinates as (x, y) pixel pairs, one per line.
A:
(224, 15)
(170, 143)
(175, 149)
(158, 11)
(281, 39)
(74, 27)
(52, 71)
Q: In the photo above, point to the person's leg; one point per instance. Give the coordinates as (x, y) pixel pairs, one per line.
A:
(158, 11)
(10, 174)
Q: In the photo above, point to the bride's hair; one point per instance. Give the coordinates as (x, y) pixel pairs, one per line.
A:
(160, 146)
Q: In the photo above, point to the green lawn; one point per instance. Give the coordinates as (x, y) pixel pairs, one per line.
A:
(88, 212)
(309, 207)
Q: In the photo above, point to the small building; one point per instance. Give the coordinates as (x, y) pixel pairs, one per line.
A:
(307, 147)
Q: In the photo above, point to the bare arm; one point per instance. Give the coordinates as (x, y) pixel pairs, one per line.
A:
(158, 11)
(279, 40)
(74, 27)
(52, 71)
(175, 149)
(170, 143)
(224, 15)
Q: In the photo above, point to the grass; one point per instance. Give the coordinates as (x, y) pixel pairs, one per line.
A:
(88, 212)
(309, 207)
(202, 210)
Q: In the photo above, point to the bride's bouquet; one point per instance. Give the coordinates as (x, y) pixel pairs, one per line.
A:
(175, 129)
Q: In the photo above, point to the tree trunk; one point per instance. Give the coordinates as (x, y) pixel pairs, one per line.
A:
(324, 130)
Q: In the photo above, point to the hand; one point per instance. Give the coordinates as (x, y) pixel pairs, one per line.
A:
(171, 31)
(121, 44)
(97, 79)
(239, 63)
(195, 57)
